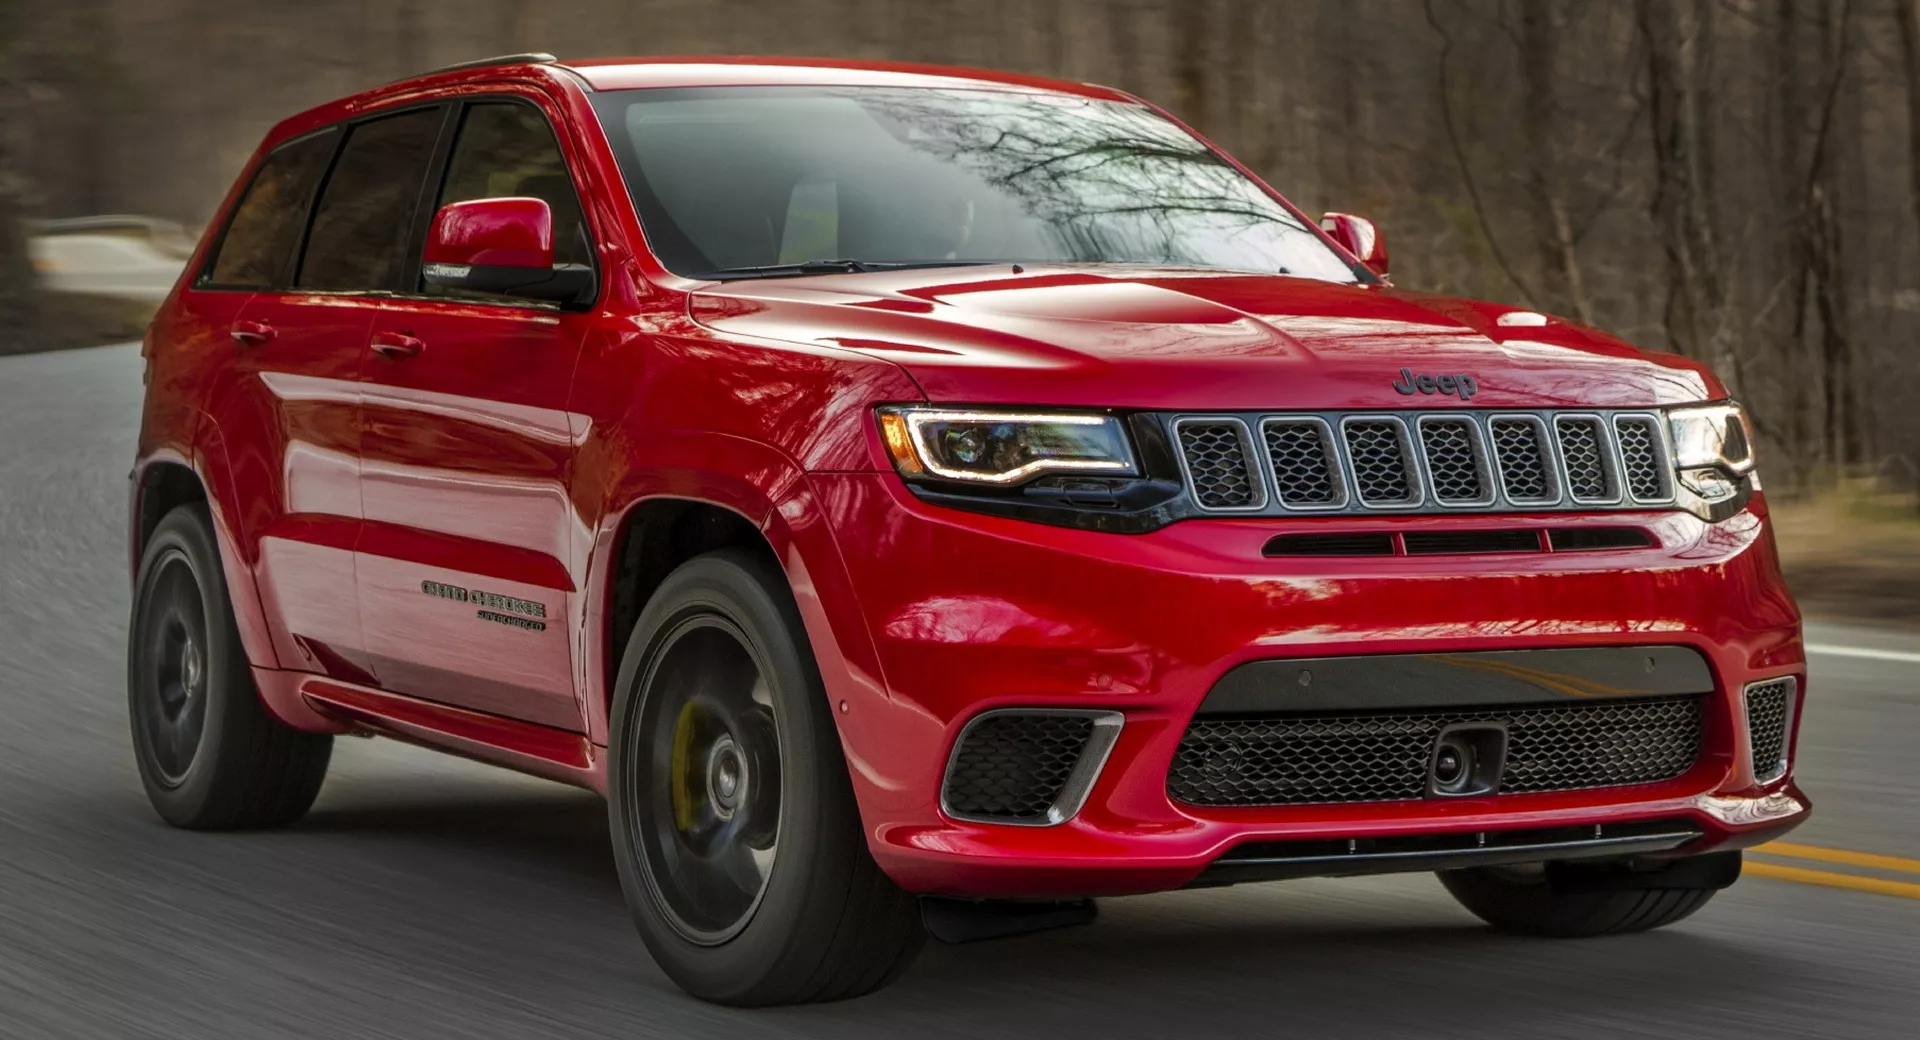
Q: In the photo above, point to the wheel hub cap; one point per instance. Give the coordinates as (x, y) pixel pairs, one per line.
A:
(726, 777)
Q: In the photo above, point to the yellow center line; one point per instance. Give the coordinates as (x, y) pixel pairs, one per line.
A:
(1903, 889)
(1852, 859)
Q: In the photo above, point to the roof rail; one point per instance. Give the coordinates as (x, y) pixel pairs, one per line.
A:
(531, 58)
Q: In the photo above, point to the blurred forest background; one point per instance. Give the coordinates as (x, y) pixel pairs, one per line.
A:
(1736, 180)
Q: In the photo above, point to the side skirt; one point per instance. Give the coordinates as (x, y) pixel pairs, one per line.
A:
(542, 751)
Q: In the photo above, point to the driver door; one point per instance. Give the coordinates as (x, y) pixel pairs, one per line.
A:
(469, 562)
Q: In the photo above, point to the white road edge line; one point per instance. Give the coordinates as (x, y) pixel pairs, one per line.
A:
(1828, 650)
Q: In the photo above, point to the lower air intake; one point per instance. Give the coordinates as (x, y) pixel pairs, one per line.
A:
(1383, 756)
(1027, 767)
(1769, 720)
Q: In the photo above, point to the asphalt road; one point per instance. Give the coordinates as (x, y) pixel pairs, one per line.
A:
(427, 897)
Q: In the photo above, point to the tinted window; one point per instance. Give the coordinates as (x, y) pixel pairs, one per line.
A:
(739, 176)
(361, 227)
(506, 149)
(260, 237)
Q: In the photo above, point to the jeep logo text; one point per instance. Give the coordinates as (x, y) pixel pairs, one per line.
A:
(1464, 385)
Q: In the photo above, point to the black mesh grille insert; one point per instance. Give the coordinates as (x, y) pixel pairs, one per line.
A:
(1640, 456)
(1013, 766)
(1341, 544)
(1442, 543)
(1304, 466)
(1767, 726)
(1581, 539)
(1584, 454)
(1452, 462)
(1383, 756)
(1379, 462)
(1218, 462)
(1523, 466)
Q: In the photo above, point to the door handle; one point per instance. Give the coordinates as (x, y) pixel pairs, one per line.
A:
(396, 345)
(251, 333)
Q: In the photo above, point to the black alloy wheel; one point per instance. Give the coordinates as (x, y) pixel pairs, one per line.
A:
(170, 689)
(735, 831)
(210, 756)
(709, 780)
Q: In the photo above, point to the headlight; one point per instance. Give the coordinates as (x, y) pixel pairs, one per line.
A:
(1003, 447)
(1714, 435)
(1712, 449)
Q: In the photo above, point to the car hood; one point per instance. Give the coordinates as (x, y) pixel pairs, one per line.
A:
(1193, 340)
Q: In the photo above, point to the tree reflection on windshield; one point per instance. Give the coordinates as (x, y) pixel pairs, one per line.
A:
(741, 176)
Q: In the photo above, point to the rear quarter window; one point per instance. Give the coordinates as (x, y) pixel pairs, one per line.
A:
(258, 242)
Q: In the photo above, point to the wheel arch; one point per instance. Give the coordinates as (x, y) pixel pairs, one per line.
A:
(165, 481)
(680, 512)
(160, 485)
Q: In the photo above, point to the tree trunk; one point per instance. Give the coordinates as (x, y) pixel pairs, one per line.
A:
(1561, 287)
(1676, 208)
(1906, 14)
(19, 288)
(1831, 282)
(1192, 99)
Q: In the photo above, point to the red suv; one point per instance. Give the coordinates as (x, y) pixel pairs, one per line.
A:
(922, 500)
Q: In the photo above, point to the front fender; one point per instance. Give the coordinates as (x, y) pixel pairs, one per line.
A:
(770, 490)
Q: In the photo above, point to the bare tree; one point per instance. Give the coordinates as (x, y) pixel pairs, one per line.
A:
(1562, 288)
(19, 292)
(1718, 177)
(1906, 15)
(1681, 206)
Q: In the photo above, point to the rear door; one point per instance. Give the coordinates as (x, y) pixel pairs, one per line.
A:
(313, 335)
(283, 412)
(467, 567)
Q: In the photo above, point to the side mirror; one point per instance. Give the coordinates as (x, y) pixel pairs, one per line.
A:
(1359, 237)
(501, 246)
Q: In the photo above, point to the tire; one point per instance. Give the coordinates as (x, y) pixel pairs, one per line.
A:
(1526, 902)
(734, 827)
(210, 757)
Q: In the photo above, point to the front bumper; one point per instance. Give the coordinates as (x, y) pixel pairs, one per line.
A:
(954, 614)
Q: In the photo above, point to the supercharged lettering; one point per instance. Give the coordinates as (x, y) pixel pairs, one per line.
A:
(509, 619)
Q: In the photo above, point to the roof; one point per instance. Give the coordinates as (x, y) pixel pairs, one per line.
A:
(627, 73)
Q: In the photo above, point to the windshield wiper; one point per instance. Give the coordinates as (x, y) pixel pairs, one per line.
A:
(846, 266)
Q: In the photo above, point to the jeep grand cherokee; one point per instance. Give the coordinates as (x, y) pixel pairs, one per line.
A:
(921, 500)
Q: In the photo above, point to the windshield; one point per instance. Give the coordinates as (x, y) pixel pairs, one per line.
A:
(727, 179)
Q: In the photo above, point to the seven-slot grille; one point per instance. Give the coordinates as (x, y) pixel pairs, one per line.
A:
(1381, 756)
(1425, 461)
(1769, 718)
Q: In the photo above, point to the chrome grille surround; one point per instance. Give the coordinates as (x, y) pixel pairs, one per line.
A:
(1380, 467)
(1587, 459)
(1454, 449)
(1529, 472)
(1304, 462)
(1645, 462)
(1222, 479)
(1432, 462)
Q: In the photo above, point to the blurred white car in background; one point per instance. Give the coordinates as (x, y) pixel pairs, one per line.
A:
(130, 256)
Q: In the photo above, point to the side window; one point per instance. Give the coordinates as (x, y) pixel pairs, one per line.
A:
(265, 226)
(506, 149)
(365, 215)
